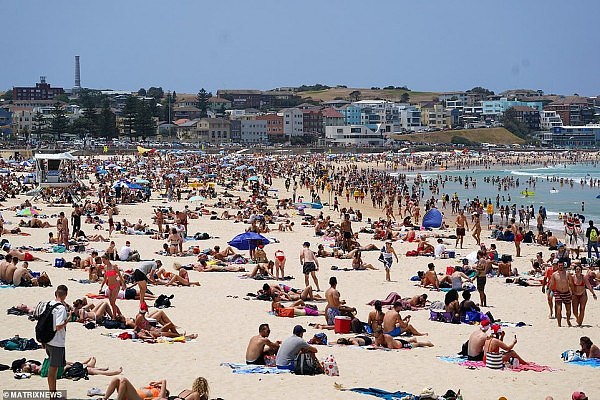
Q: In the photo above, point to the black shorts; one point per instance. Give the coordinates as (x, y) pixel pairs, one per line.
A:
(56, 356)
(460, 231)
(259, 361)
(308, 267)
(481, 281)
(478, 357)
(347, 235)
(139, 276)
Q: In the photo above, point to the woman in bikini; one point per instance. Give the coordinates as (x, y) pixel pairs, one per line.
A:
(199, 391)
(84, 312)
(358, 264)
(145, 330)
(279, 264)
(579, 288)
(182, 278)
(376, 316)
(174, 239)
(126, 390)
(114, 280)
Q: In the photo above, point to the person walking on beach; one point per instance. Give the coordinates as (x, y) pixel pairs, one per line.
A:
(461, 226)
(560, 283)
(591, 234)
(387, 251)
(346, 228)
(310, 265)
(481, 268)
(55, 348)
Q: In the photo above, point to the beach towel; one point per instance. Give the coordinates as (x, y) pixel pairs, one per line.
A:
(238, 368)
(573, 357)
(383, 394)
(480, 364)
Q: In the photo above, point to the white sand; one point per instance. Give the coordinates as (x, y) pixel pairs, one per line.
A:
(225, 324)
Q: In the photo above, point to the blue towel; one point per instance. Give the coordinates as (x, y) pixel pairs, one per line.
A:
(592, 362)
(452, 359)
(254, 369)
(382, 394)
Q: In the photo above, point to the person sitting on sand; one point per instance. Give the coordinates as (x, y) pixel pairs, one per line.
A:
(145, 330)
(394, 324)
(467, 304)
(84, 312)
(222, 255)
(589, 349)
(181, 278)
(261, 346)
(477, 341)
(388, 342)
(455, 280)
(126, 391)
(35, 367)
(359, 265)
(493, 357)
(424, 248)
(430, 278)
(451, 305)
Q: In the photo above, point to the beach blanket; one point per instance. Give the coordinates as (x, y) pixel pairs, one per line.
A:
(480, 364)
(591, 362)
(573, 357)
(383, 394)
(238, 368)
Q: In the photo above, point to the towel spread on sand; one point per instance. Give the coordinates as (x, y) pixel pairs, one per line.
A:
(592, 362)
(237, 368)
(480, 364)
(383, 394)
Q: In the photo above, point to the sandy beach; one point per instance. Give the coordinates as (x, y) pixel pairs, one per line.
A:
(224, 320)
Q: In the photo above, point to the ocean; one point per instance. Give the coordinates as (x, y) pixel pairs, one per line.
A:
(548, 191)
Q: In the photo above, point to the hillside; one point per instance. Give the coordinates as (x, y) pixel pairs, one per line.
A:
(367, 94)
(485, 135)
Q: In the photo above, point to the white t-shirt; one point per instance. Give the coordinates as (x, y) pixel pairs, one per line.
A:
(60, 315)
(439, 250)
(124, 253)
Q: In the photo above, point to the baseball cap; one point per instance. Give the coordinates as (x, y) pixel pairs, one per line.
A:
(578, 396)
(484, 325)
(555, 261)
(299, 329)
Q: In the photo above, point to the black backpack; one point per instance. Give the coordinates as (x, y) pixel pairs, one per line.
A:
(44, 329)
(307, 364)
(163, 301)
(76, 372)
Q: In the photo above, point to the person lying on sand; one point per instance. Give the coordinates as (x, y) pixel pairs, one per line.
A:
(35, 367)
(145, 330)
(387, 341)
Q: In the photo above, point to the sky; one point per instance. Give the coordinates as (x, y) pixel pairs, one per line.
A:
(185, 45)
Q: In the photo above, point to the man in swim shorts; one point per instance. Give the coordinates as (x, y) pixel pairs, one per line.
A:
(333, 301)
(461, 226)
(559, 283)
(260, 345)
(310, 265)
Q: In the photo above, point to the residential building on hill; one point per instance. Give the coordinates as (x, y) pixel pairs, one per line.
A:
(242, 98)
(549, 119)
(496, 108)
(312, 122)
(41, 91)
(354, 135)
(293, 122)
(528, 115)
(573, 110)
(274, 125)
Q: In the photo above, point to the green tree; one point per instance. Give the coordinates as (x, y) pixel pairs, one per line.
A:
(59, 123)
(202, 102)
(62, 97)
(514, 125)
(481, 90)
(129, 112)
(142, 92)
(405, 98)
(354, 95)
(8, 95)
(107, 122)
(143, 122)
(40, 124)
(156, 92)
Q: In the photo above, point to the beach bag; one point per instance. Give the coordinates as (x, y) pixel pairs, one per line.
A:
(440, 316)
(44, 280)
(330, 366)
(163, 301)
(46, 365)
(593, 235)
(76, 372)
(572, 355)
(307, 364)
(471, 317)
(59, 248)
(319, 338)
(44, 328)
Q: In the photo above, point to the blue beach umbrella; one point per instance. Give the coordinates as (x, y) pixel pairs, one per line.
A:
(248, 240)
(253, 178)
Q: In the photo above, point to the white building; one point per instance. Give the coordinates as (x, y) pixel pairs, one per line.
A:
(293, 124)
(253, 131)
(354, 135)
(549, 120)
(410, 118)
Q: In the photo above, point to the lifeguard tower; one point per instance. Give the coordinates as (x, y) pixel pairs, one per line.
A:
(53, 172)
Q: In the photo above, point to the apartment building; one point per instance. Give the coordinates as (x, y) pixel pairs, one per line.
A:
(41, 91)
(274, 125)
(549, 119)
(573, 110)
(354, 135)
(496, 108)
(293, 122)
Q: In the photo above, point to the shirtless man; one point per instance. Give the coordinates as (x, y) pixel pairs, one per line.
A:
(310, 265)
(386, 341)
(430, 278)
(346, 228)
(461, 226)
(4, 266)
(260, 346)
(477, 341)
(332, 295)
(550, 270)
(11, 267)
(559, 283)
(394, 324)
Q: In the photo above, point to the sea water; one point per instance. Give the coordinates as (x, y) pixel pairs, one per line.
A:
(548, 192)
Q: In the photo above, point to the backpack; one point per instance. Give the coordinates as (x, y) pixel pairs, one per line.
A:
(307, 364)
(163, 301)
(593, 235)
(44, 329)
(76, 372)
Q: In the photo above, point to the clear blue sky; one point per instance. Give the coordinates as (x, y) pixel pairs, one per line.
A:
(188, 44)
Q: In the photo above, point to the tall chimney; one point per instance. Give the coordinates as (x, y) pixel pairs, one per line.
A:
(77, 73)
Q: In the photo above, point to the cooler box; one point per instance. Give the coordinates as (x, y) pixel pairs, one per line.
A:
(342, 324)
